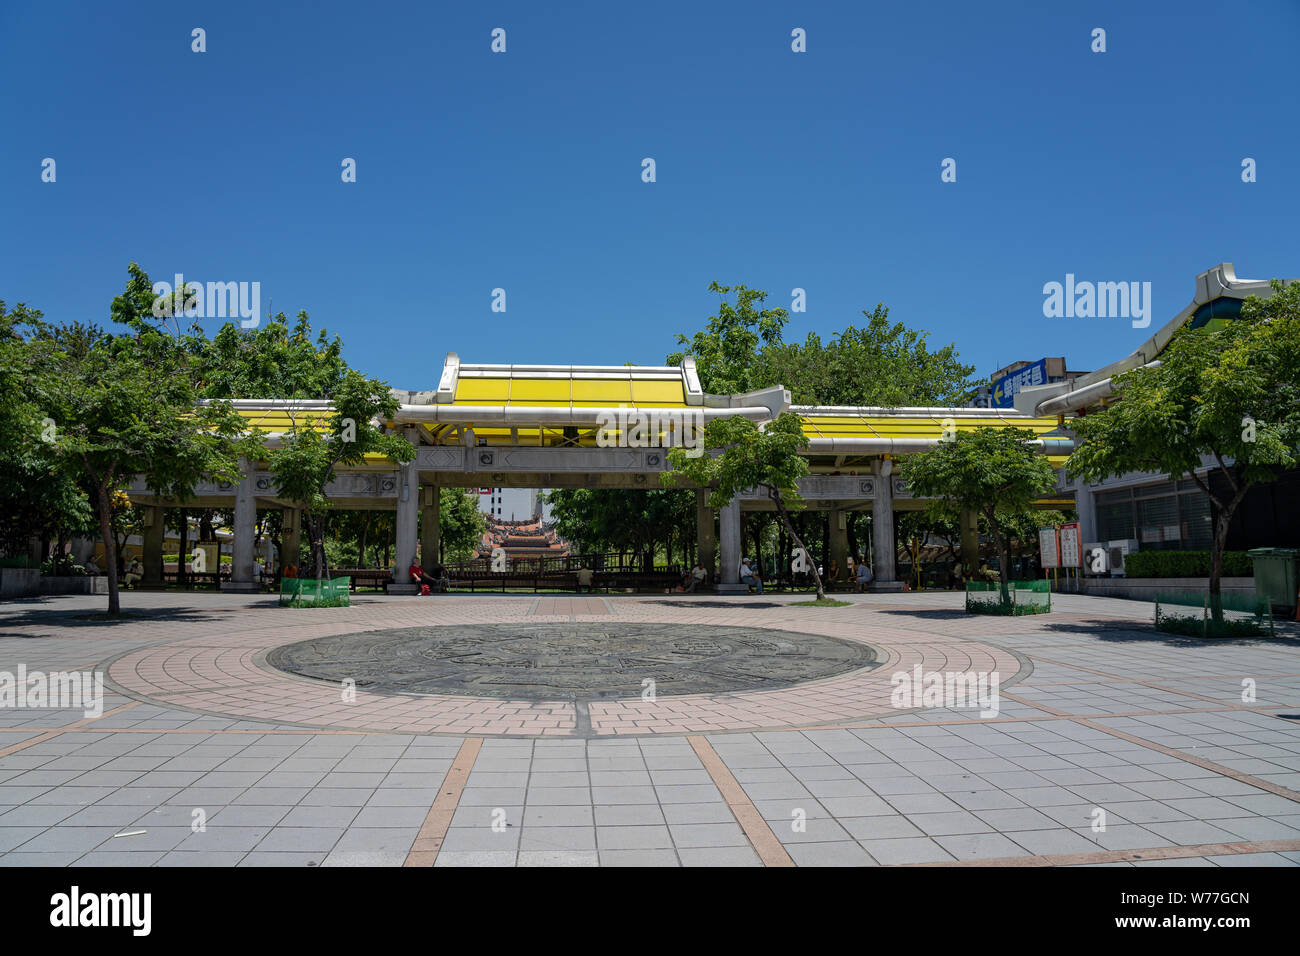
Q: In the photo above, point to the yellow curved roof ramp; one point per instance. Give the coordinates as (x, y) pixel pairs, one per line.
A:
(873, 430)
(573, 394)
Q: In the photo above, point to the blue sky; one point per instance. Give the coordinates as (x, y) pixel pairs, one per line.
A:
(522, 170)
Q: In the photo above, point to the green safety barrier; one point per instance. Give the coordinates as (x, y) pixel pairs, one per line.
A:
(308, 592)
(1026, 597)
(1244, 615)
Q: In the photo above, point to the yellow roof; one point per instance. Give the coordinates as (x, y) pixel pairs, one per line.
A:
(575, 389)
(277, 420)
(917, 425)
(912, 425)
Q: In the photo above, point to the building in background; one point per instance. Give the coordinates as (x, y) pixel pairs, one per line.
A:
(513, 504)
(528, 540)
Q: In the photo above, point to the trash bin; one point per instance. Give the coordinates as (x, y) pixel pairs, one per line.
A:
(1276, 577)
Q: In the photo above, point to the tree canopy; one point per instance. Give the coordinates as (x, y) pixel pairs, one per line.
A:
(1230, 394)
(739, 455)
(881, 363)
(989, 470)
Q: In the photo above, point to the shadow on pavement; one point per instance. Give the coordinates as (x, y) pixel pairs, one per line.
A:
(39, 610)
(750, 605)
(1139, 632)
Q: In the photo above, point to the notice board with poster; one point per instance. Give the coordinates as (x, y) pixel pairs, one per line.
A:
(1048, 548)
(1071, 545)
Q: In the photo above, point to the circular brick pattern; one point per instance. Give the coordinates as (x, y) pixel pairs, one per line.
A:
(218, 666)
(570, 661)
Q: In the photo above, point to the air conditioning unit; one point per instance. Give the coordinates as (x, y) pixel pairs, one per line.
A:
(1118, 549)
(1096, 559)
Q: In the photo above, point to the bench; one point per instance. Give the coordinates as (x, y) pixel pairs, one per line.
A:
(369, 577)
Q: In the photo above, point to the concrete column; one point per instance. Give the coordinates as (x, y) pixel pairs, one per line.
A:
(408, 517)
(153, 547)
(729, 539)
(241, 564)
(1087, 508)
(291, 536)
(882, 530)
(839, 539)
(430, 516)
(970, 542)
(708, 536)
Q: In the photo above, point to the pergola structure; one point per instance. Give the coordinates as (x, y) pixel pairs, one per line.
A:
(564, 426)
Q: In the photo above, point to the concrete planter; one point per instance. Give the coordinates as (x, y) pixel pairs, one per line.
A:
(1146, 589)
(69, 584)
(19, 583)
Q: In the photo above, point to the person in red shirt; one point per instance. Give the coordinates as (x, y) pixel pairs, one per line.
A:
(420, 576)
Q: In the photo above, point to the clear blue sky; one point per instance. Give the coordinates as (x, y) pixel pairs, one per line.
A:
(522, 170)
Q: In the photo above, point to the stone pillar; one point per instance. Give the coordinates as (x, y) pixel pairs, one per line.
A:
(154, 529)
(291, 536)
(970, 542)
(1085, 504)
(241, 564)
(430, 516)
(839, 539)
(408, 517)
(708, 537)
(729, 539)
(882, 530)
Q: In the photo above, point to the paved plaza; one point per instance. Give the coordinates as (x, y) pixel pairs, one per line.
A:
(529, 730)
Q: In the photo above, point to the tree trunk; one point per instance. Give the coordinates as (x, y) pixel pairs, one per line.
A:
(785, 519)
(110, 549)
(318, 545)
(1004, 555)
(826, 547)
(181, 572)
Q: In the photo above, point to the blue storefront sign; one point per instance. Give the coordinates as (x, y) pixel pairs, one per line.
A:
(1005, 388)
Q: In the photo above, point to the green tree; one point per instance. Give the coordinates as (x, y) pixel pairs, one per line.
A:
(305, 461)
(989, 470)
(739, 456)
(882, 363)
(724, 351)
(1230, 393)
(38, 498)
(460, 524)
(270, 361)
(619, 519)
(126, 405)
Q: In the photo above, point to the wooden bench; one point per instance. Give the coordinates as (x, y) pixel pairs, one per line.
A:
(370, 577)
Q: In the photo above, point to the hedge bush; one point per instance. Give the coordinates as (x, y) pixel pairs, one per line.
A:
(1185, 564)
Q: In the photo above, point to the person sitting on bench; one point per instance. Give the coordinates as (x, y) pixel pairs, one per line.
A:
(421, 576)
(134, 573)
(696, 578)
(584, 579)
(864, 576)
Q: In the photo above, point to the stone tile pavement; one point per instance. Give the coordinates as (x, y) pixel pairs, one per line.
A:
(1110, 746)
